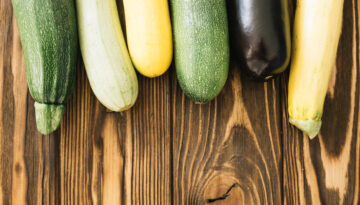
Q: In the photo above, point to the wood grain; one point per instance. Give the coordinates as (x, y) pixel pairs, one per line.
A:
(234, 140)
(238, 149)
(6, 140)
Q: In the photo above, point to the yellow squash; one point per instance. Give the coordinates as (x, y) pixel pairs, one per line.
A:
(149, 35)
(317, 30)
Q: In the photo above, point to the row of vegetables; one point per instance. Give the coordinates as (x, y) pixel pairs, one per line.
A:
(260, 39)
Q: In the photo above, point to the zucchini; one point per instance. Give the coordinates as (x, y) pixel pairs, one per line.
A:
(201, 47)
(317, 30)
(149, 35)
(260, 36)
(107, 62)
(50, 45)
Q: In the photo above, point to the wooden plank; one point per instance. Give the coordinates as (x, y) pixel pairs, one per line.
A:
(228, 151)
(117, 158)
(80, 136)
(151, 146)
(27, 157)
(6, 139)
(326, 169)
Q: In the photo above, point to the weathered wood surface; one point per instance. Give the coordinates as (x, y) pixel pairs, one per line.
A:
(238, 149)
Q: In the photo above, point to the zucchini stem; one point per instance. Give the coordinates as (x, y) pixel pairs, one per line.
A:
(310, 127)
(48, 117)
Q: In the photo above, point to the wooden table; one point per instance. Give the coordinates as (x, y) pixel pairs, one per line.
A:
(238, 149)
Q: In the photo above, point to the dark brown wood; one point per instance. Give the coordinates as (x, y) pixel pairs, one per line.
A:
(6, 140)
(237, 149)
(232, 141)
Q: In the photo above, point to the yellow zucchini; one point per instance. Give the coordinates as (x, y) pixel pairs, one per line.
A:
(149, 35)
(317, 30)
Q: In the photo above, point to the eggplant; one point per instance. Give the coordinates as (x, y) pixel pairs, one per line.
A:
(260, 36)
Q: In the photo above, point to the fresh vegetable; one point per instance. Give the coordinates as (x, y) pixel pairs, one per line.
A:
(317, 30)
(149, 35)
(201, 47)
(260, 35)
(108, 66)
(50, 44)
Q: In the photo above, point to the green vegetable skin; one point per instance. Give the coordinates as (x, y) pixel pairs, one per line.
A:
(49, 40)
(201, 47)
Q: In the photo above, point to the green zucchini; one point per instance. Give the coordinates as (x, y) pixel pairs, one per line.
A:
(50, 45)
(201, 47)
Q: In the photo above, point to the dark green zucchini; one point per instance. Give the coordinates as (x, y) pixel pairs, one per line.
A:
(50, 45)
(260, 36)
(201, 47)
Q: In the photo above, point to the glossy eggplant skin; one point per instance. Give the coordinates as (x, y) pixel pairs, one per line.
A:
(260, 36)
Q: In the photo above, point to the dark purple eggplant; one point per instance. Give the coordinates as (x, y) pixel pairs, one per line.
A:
(260, 35)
